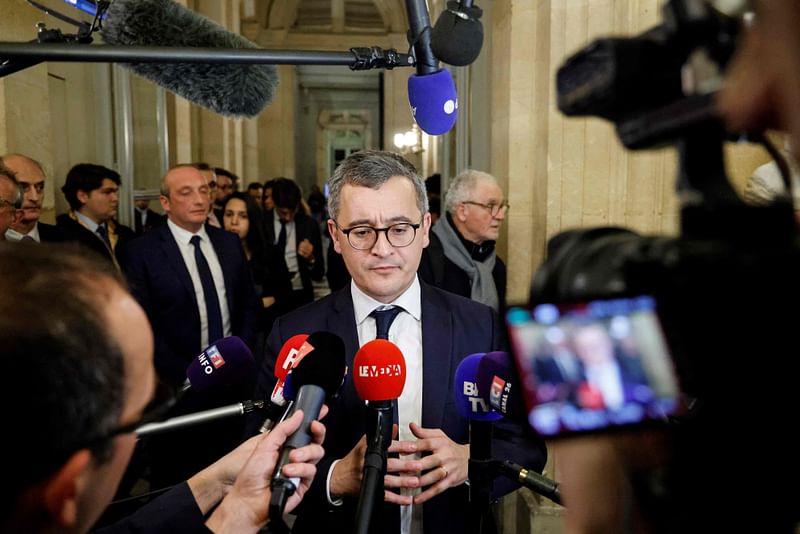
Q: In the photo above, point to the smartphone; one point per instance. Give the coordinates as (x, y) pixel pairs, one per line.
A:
(593, 366)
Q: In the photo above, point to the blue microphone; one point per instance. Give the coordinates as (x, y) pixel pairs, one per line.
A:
(431, 91)
(469, 401)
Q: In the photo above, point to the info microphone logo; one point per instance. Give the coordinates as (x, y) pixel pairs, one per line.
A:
(210, 359)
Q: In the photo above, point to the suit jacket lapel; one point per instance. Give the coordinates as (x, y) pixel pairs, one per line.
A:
(219, 247)
(269, 220)
(170, 248)
(437, 361)
(343, 322)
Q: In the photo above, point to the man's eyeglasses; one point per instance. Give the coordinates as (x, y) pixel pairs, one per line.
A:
(494, 209)
(163, 401)
(364, 237)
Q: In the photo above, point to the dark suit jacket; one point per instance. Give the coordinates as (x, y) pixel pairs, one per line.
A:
(153, 220)
(305, 228)
(174, 512)
(49, 233)
(439, 271)
(452, 328)
(76, 232)
(160, 281)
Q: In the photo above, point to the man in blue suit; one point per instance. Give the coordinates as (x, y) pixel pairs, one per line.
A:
(379, 224)
(195, 286)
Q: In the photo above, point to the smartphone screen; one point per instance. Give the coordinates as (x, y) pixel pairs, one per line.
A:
(593, 366)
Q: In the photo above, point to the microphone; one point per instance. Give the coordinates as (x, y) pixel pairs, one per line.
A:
(471, 405)
(497, 383)
(291, 353)
(233, 90)
(225, 362)
(379, 375)
(532, 480)
(431, 91)
(457, 37)
(183, 421)
(316, 381)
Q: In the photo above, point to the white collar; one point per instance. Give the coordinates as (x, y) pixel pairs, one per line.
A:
(410, 300)
(182, 235)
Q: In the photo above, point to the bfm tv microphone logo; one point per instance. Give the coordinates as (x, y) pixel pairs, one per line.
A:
(477, 404)
(211, 359)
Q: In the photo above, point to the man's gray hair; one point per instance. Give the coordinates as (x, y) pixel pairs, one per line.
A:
(462, 186)
(12, 177)
(373, 168)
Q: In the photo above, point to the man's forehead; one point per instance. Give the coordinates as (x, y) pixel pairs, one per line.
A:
(184, 176)
(26, 170)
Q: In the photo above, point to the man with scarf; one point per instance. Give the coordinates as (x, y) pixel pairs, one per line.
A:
(461, 256)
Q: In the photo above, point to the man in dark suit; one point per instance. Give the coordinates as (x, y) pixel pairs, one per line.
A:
(91, 353)
(144, 218)
(92, 192)
(194, 283)
(31, 178)
(379, 224)
(461, 258)
(297, 237)
(10, 200)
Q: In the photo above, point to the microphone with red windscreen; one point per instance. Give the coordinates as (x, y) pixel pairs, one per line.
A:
(379, 375)
(317, 379)
(292, 352)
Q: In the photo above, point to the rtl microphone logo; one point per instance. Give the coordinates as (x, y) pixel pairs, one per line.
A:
(477, 403)
(211, 359)
(295, 355)
(376, 371)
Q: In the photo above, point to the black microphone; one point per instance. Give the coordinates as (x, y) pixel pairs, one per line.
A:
(457, 37)
(532, 480)
(316, 381)
(431, 91)
(234, 90)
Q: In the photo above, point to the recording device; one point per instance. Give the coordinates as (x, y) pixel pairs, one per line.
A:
(185, 421)
(715, 285)
(379, 375)
(318, 380)
(292, 352)
(231, 90)
(224, 363)
(499, 386)
(431, 91)
(593, 366)
(457, 36)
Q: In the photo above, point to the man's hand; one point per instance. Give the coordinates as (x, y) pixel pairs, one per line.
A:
(306, 250)
(245, 508)
(445, 467)
(347, 473)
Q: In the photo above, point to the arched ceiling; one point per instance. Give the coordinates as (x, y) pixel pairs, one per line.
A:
(335, 16)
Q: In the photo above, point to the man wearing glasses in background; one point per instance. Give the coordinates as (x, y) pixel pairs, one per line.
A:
(10, 200)
(461, 257)
(379, 223)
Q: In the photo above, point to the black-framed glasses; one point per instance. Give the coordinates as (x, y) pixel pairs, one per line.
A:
(364, 237)
(493, 208)
(164, 399)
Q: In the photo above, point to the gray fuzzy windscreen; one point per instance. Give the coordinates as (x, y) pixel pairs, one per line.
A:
(228, 89)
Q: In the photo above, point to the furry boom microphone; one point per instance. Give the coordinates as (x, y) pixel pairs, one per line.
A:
(234, 90)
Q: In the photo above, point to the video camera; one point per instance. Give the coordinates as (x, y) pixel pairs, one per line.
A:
(720, 287)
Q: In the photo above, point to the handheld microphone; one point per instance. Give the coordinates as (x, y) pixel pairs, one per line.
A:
(225, 362)
(291, 353)
(498, 385)
(472, 406)
(431, 91)
(457, 36)
(379, 375)
(183, 421)
(316, 381)
(233, 90)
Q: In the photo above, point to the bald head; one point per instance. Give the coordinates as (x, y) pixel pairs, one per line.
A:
(30, 176)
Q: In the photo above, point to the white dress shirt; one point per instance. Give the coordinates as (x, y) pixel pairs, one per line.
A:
(406, 333)
(183, 239)
(13, 235)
